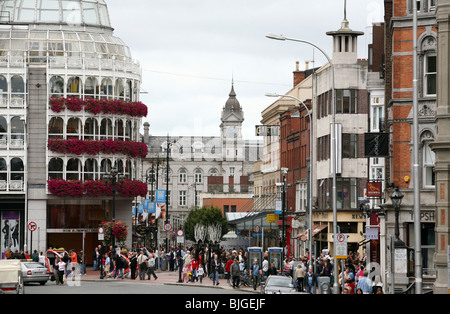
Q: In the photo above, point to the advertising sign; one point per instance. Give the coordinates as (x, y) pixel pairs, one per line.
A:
(161, 196)
(374, 189)
(10, 231)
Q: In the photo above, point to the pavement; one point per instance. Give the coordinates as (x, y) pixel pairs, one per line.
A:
(167, 278)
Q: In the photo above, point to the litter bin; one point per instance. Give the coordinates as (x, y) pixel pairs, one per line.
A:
(324, 285)
(164, 262)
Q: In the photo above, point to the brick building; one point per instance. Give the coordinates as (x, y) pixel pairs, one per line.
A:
(399, 118)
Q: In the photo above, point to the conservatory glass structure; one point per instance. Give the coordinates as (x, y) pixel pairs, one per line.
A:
(65, 82)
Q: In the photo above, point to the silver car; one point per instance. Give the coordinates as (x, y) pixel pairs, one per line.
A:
(278, 285)
(34, 272)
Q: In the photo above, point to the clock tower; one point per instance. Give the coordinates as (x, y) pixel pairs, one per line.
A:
(231, 128)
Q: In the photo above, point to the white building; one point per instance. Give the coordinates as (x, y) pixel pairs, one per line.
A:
(63, 49)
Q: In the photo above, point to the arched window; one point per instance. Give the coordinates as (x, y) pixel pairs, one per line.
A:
(91, 88)
(120, 89)
(428, 49)
(73, 169)
(90, 169)
(73, 128)
(56, 87)
(128, 90)
(91, 129)
(17, 169)
(56, 128)
(429, 160)
(119, 129)
(105, 167)
(107, 88)
(73, 87)
(3, 174)
(128, 169)
(17, 129)
(213, 172)
(106, 129)
(128, 130)
(56, 168)
(17, 91)
(198, 175)
(3, 130)
(183, 176)
(3, 92)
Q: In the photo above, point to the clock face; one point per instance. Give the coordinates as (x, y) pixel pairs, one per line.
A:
(232, 132)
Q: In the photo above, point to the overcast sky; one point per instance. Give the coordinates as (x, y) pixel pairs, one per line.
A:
(190, 50)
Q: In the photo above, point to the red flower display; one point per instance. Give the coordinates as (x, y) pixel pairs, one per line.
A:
(117, 230)
(96, 188)
(89, 147)
(97, 106)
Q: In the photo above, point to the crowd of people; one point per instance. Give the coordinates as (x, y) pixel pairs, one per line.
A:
(198, 263)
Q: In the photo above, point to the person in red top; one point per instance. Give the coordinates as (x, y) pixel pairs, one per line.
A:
(193, 267)
(228, 268)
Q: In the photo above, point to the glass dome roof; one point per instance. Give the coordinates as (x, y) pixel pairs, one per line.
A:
(77, 12)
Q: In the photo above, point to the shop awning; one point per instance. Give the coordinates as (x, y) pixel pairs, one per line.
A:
(316, 229)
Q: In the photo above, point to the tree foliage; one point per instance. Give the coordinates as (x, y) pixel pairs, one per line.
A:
(206, 216)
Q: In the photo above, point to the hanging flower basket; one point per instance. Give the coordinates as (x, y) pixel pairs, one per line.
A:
(118, 230)
(96, 188)
(97, 106)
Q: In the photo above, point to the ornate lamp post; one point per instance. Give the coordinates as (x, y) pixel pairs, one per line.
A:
(396, 199)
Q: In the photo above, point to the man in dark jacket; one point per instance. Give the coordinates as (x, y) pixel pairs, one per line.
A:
(133, 265)
(235, 273)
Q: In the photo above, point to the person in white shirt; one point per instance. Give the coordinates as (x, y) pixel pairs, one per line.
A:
(61, 268)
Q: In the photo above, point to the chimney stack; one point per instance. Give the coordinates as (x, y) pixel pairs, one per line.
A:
(299, 76)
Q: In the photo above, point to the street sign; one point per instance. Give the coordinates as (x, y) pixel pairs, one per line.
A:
(32, 226)
(341, 246)
(278, 207)
(180, 233)
(257, 228)
(167, 227)
(101, 234)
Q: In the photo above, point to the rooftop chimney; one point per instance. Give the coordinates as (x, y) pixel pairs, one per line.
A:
(299, 76)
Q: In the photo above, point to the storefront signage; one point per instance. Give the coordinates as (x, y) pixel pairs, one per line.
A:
(272, 218)
(267, 130)
(371, 233)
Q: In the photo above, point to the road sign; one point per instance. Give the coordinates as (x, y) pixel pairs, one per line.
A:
(271, 218)
(180, 233)
(101, 234)
(341, 246)
(257, 228)
(167, 227)
(278, 207)
(32, 226)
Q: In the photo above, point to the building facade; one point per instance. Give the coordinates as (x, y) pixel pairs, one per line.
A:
(69, 89)
(214, 170)
(399, 120)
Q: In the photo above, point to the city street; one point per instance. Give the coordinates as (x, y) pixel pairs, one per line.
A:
(165, 284)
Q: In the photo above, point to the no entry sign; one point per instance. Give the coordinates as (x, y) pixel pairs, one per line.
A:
(32, 226)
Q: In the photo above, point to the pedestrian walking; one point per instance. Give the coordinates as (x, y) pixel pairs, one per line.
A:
(215, 270)
(61, 269)
(365, 284)
(142, 264)
(151, 267)
(133, 265)
(201, 272)
(309, 280)
(256, 273)
(300, 275)
(235, 273)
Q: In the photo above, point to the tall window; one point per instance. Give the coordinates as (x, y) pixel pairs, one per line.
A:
(349, 145)
(3, 92)
(346, 101)
(429, 160)
(198, 176)
(430, 74)
(56, 128)
(183, 176)
(183, 196)
(346, 193)
(3, 129)
(3, 173)
(55, 168)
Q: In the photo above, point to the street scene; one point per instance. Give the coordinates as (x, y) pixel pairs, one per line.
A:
(243, 148)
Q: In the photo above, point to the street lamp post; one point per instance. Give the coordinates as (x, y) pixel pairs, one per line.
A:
(333, 145)
(169, 145)
(396, 199)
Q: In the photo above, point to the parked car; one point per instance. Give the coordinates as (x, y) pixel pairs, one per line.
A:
(35, 272)
(278, 285)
